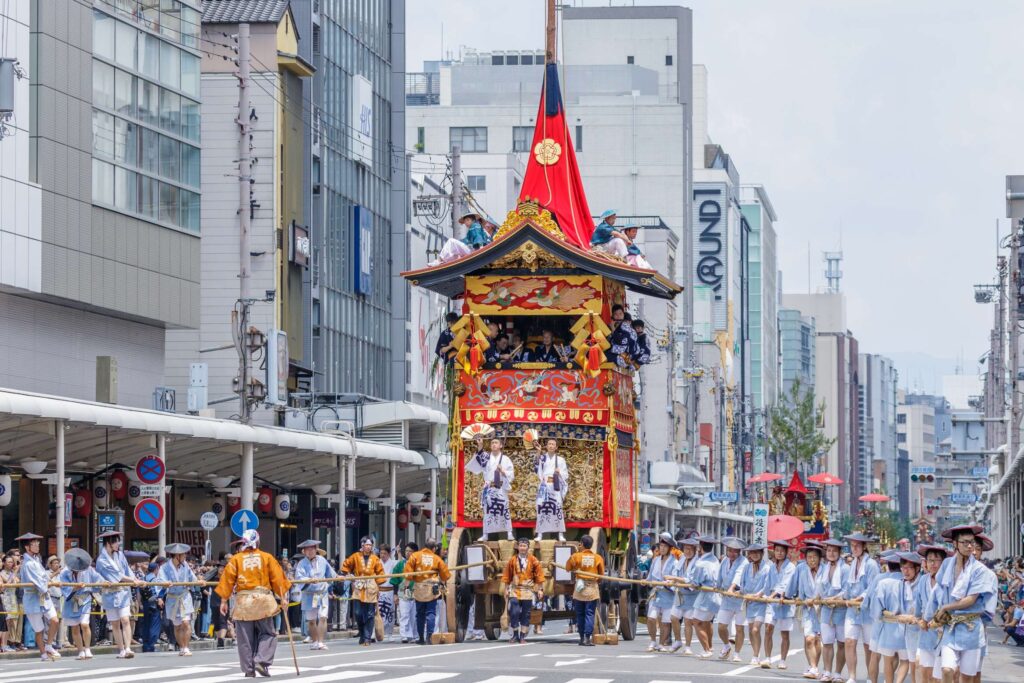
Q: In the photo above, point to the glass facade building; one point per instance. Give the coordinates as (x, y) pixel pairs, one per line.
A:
(797, 335)
(352, 343)
(145, 116)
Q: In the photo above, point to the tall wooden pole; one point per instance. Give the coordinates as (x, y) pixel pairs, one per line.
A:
(551, 35)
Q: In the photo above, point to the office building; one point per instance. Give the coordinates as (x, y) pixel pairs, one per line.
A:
(99, 253)
(797, 335)
(836, 383)
(877, 455)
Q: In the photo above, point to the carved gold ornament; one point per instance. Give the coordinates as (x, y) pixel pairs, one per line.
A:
(547, 152)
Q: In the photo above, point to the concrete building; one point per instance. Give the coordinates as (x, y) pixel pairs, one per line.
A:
(915, 435)
(627, 75)
(279, 232)
(836, 380)
(797, 335)
(761, 349)
(99, 239)
(878, 454)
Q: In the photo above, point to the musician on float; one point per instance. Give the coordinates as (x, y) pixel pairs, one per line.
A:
(498, 473)
(553, 473)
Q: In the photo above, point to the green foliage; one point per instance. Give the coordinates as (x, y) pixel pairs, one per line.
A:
(794, 431)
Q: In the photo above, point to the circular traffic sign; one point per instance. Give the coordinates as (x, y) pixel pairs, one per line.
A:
(208, 521)
(149, 513)
(243, 520)
(150, 470)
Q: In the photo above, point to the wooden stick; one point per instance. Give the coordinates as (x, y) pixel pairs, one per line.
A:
(291, 640)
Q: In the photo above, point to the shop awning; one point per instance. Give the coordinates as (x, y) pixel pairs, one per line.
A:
(197, 447)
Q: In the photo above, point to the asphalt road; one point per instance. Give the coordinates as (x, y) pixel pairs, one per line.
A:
(547, 659)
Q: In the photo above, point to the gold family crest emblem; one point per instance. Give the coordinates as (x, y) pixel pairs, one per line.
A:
(547, 152)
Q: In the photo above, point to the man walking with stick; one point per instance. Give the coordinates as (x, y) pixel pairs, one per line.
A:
(259, 585)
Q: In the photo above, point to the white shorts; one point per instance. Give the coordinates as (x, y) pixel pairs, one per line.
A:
(968, 662)
(678, 613)
(178, 620)
(926, 658)
(888, 652)
(873, 644)
(663, 616)
(734, 617)
(315, 614)
(116, 613)
(830, 633)
(38, 618)
(779, 624)
(811, 629)
(703, 615)
(854, 631)
(81, 620)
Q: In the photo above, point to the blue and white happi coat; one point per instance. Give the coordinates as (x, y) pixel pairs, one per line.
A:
(975, 579)
(177, 599)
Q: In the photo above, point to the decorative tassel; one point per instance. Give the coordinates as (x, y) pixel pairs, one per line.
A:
(594, 357)
(475, 359)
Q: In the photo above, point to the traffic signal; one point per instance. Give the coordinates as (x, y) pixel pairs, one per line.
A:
(923, 478)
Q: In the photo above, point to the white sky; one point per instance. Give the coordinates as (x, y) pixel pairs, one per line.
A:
(893, 123)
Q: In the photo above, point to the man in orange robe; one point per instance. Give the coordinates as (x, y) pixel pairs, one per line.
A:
(364, 591)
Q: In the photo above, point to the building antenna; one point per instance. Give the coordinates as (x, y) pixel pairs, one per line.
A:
(808, 267)
(442, 41)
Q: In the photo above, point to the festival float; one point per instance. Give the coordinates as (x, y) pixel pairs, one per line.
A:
(538, 273)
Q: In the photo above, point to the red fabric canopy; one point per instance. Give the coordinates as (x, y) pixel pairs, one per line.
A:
(552, 175)
(796, 485)
(763, 478)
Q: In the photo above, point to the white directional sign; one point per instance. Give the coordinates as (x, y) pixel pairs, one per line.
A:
(208, 521)
(761, 523)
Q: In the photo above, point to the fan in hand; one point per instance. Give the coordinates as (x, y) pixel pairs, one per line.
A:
(531, 438)
(477, 430)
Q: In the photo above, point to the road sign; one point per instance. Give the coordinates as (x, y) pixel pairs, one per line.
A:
(724, 496)
(242, 520)
(963, 498)
(979, 471)
(149, 513)
(208, 521)
(150, 470)
(760, 523)
(922, 470)
(151, 490)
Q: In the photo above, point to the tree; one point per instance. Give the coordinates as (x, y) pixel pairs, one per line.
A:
(794, 432)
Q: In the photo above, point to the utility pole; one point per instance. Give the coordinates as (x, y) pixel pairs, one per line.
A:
(245, 214)
(456, 196)
(1009, 509)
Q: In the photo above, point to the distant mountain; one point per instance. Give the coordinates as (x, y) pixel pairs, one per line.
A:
(922, 373)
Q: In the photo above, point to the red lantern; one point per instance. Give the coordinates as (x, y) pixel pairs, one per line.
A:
(234, 505)
(119, 484)
(83, 503)
(265, 502)
(403, 518)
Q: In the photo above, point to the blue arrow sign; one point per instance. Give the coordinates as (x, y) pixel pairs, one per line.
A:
(242, 520)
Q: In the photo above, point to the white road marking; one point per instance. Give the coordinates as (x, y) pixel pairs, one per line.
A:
(532, 654)
(53, 673)
(748, 667)
(569, 662)
(636, 656)
(589, 680)
(157, 675)
(321, 678)
(16, 674)
(422, 678)
(508, 679)
(659, 680)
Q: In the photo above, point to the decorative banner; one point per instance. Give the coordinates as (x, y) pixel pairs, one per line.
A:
(5, 490)
(119, 485)
(83, 503)
(234, 504)
(282, 506)
(100, 494)
(265, 500)
(568, 295)
(69, 504)
(402, 519)
(535, 390)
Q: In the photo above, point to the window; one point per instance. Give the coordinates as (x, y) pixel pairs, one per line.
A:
(527, 60)
(170, 14)
(189, 210)
(170, 158)
(103, 34)
(497, 60)
(169, 209)
(668, 60)
(901, 438)
(170, 111)
(629, 59)
(150, 150)
(512, 60)
(149, 196)
(103, 84)
(901, 419)
(126, 142)
(124, 93)
(170, 65)
(476, 183)
(579, 138)
(421, 138)
(470, 139)
(190, 21)
(149, 103)
(124, 189)
(102, 134)
(103, 182)
(125, 45)
(521, 138)
(190, 165)
(149, 55)
(190, 119)
(190, 74)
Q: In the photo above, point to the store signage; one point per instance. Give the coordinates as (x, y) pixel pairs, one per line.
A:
(711, 248)
(277, 368)
(362, 248)
(963, 498)
(301, 247)
(325, 518)
(760, 523)
(361, 124)
(979, 471)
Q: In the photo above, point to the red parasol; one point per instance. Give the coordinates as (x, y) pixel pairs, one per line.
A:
(875, 498)
(825, 478)
(784, 527)
(763, 478)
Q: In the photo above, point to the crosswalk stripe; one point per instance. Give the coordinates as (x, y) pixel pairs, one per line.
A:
(658, 680)
(321, 678)
(508, 679)
(589, 680)
(421, 677)
(23, 672)
(59, 675)
(748, 667)
(174, 672)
